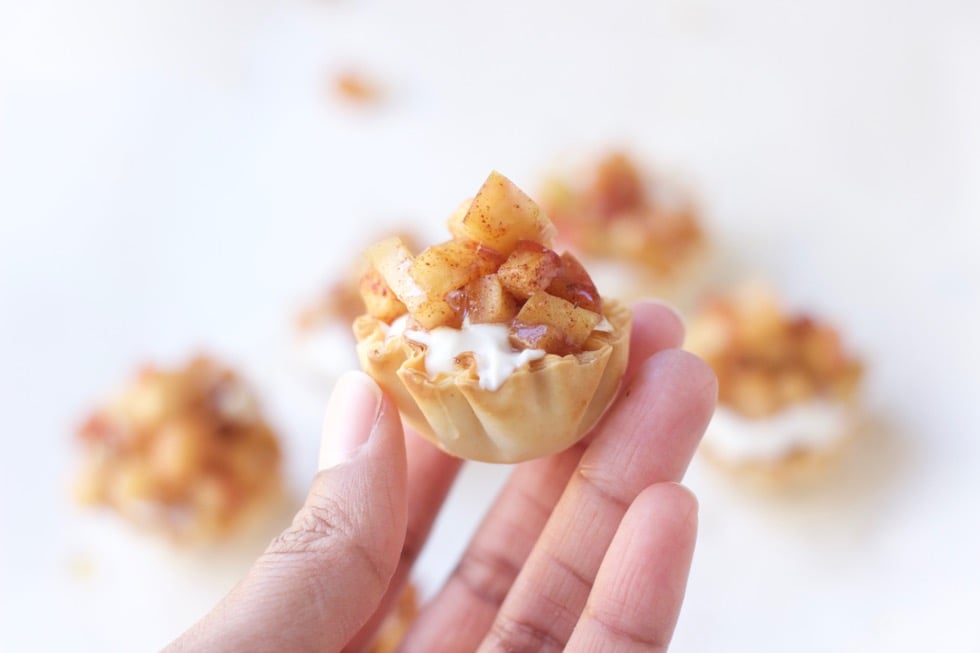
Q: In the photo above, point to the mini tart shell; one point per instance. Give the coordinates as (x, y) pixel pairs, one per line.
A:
(543, 407)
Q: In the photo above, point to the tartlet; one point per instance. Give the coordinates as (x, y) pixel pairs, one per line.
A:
(493, 345)
(787, 388)
(639, 235)
(184, 452)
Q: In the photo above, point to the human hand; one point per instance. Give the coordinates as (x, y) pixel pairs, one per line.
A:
(585, 550)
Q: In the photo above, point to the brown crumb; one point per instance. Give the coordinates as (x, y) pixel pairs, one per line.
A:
(357, 88)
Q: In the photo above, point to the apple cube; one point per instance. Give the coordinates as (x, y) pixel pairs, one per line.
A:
(488, 302)
(530, 268)
(393, 261)
(500, 215)
(432, 313)
(574, 284)
(448, 266)
(379, 300)
(553, 324)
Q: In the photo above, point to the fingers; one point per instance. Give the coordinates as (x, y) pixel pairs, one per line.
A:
(638, 590)
(457, 618)
(431, 474)
(648, 437)
(322, 578)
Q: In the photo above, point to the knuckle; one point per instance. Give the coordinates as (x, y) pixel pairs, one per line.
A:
(325, 531)
(604, 485)
(319, 525)
(519, 635)
(486, 575)
(616, 630)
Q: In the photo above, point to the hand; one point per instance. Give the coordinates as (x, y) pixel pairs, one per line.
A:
(585, 550)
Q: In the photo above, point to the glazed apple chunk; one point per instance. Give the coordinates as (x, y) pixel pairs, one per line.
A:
(492, 344)
(547, 300)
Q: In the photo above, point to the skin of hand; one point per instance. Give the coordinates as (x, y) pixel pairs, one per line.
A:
(585, 550)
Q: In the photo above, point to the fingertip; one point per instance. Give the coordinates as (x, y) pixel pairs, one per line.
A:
(656, 314)
(687, 371)
(656, 327)
(673, 496)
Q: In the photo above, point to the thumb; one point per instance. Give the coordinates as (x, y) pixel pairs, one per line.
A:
(322, 578)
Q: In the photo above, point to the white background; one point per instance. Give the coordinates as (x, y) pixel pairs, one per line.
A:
(176, 176)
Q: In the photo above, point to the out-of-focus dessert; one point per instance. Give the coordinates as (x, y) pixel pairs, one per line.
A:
(787, 388)
(185, 452)
(493, 345)
(396, 624)
(639, 235)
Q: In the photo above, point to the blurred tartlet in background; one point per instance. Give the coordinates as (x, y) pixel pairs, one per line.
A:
(639, 234)
(185, 452)
(787, 389)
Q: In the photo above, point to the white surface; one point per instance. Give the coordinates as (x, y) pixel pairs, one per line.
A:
(173, 174)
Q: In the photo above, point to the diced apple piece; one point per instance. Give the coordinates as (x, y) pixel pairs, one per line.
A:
(553, 324)
(574, 284)
(530, 268)
(456, 219)
(392, 259)
(540, 336)
(379, 299)
(500, 215)
(449, 266)
(488, 302)
(432, 313)
(393, 262)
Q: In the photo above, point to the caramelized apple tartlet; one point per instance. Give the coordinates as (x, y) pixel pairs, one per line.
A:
(493, 345)
(787, 389)
(637, 234)
(184, 452)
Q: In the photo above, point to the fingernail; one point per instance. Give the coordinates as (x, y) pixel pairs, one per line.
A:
(351, 415)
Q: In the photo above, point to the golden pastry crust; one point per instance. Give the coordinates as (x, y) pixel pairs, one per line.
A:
(540, 409)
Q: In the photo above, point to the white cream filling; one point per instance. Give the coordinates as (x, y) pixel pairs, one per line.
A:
(810, 425)
(489, 344)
